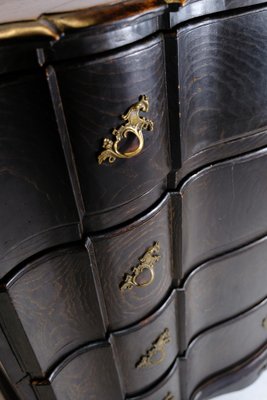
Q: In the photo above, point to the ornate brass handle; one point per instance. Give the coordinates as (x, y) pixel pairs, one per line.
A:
(147, 262)
(264, 323)
(157, 353)
(134, 124)
(169, 396)
(181, 2)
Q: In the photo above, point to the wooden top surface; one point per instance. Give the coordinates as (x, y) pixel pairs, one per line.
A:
(23, 10)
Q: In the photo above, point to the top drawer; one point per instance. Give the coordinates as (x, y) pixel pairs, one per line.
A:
(223, 81)
(95, 95)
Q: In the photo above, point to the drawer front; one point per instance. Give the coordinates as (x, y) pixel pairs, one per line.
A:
(225, 345)
(223, 84)
(134, 265)
(225, 287)
(148, 349)
(37, 205)
(167, 389)
(88, 374)
(55, 302)
(95, 94)
(223, 207)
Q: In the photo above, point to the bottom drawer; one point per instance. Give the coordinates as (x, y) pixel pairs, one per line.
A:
(167, 389)
(225, 345)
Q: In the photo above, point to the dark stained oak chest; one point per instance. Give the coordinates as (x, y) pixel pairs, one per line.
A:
(133, 201)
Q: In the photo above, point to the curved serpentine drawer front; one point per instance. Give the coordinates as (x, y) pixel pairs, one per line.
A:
(231, 342)
(225, 287)
(223, 207)
(167, 389)
(37, 205)
(88, 374)
(223, 84)
(94, 95)
(147, 350)
(135, 267)
(50, 308)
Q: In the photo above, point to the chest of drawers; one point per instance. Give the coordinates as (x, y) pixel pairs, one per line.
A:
(133, 206)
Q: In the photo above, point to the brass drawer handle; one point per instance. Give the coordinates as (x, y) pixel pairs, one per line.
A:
(134, 124)
(181, 2)
(147, 262)
(169, 396)
(157, 353)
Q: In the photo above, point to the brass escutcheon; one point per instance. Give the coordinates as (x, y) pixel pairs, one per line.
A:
(264, 323)
(134, 124)
(157, 353)
(169, 396)
(147, 263)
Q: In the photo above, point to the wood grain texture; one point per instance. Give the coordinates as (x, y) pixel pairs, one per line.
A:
(223, 207)
(94, 95)
(223, 86)
(225, 287)
(78, 377)
(119, 251)
(133, 343)
(37, 206)
(232, 342)
(56, 302)
(169, 385)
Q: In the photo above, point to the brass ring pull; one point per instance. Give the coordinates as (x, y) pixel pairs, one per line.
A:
(151, 277)
(147, 262)
(134, 124)
(157, 353)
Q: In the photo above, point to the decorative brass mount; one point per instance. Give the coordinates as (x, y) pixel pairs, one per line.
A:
(264, 323)
(169, 396)
(147, 262)
(134, 124)
(157, 349)
(181, 2)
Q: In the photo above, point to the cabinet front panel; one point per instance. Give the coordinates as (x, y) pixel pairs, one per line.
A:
(135, 267)
(95, 94)
(225, 345)
(223, 207)
(167, 389)
(225, 287)
(91, 374)
(56, 303)
(147, 350)
(37, 205)
(223, 81)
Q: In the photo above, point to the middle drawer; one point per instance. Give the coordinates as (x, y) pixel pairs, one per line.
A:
(135, 266)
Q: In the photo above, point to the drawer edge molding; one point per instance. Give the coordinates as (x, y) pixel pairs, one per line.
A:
(229, 321)
(235, 378)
